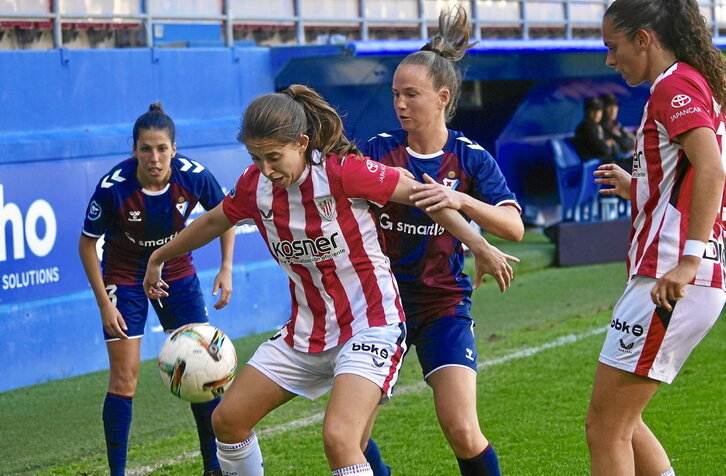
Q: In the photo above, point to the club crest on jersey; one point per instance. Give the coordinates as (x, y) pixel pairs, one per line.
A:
(182, 207)
(326, 206)
(451, 183)
(94, 211)
(134, 215)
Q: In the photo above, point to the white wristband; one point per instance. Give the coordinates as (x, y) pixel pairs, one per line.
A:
(694, 248)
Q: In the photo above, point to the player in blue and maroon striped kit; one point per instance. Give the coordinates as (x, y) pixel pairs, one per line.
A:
(428, 261)
(142, 203)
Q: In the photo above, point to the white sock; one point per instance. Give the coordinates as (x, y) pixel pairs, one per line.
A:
(670, 472)
(241, 459)
(362, 469)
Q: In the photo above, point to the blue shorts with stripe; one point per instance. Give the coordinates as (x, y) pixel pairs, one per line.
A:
(184, 305)
(447, 341)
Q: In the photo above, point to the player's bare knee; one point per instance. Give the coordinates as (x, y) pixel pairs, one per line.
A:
(123, 382)
(465, 440)
(337, 441)
(462, 432)
(228, 428)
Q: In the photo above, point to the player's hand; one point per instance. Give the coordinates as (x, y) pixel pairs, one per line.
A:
(615, 177)
(491, 260)
(154, 286)
(671, 286)
(432, 196)
(113, 323)
(405, 172)
(223, 283)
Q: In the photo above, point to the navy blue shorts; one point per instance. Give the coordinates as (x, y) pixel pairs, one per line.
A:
(184, 305)
(447, 341)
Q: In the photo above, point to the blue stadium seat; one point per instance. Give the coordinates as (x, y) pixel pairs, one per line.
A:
(577, 191)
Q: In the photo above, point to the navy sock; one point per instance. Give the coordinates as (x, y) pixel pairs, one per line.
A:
(484, 464)
(207, 444)
(116, 425)
(373, 456)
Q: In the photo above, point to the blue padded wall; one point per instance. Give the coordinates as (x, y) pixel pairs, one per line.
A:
(66, 120)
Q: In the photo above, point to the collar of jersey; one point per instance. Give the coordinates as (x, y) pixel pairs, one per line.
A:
(668, 71)
(415, 154)
(303, 176)
(154, 193)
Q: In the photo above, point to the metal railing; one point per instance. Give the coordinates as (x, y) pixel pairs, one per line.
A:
(519, 16)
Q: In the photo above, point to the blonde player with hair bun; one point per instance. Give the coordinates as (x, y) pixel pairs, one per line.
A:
(458, 174)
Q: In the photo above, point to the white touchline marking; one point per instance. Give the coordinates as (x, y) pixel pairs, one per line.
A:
(413, 388)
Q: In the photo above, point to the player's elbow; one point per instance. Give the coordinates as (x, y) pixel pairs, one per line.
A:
(513, 232)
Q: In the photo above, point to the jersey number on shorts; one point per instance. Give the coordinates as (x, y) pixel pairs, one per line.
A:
(111, 290)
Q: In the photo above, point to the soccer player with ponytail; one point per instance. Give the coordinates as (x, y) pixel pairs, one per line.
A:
(676, 281)
(141, 203)
(310, 193)
(458, 174)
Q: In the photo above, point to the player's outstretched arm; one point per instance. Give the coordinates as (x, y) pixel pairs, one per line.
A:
(200, 232)
(614, 176)
(111, 319)
(488, 259)
(223, 280)
(504, 222)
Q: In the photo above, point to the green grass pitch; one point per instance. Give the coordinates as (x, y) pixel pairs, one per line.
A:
(538, 344)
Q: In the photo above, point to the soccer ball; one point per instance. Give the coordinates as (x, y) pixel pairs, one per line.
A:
(197, 362)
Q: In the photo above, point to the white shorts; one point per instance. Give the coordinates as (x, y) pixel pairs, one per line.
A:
(650, 341)
(375, 353)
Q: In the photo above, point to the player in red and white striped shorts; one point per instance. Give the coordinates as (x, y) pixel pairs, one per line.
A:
(310, 194)
(675, 292)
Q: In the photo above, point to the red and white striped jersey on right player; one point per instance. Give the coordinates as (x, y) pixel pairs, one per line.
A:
(662, 184)
(322, 232)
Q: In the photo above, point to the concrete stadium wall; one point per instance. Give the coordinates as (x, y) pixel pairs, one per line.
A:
(65, 120)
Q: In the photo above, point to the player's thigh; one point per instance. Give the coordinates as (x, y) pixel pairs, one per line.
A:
(454, 390)
(353, 402)
(618, 399)
(124, 361)
(184, 305)
(251, 396)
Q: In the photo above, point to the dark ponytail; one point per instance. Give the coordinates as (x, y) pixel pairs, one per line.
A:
(681, 29)
(283, 117)
(155, 119)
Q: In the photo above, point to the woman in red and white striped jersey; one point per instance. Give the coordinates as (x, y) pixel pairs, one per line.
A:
(310, 193)
(675, 289)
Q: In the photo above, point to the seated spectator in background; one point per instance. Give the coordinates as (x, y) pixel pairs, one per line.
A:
(590, 141)
(614, 130)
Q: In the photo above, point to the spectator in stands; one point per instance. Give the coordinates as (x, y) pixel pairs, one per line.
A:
(429, 266)
(612, 128)
(590, 141)
(309, 191)
(137, 205)
(675, 290)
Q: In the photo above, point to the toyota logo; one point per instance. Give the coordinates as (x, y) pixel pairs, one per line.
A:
(680, 100)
